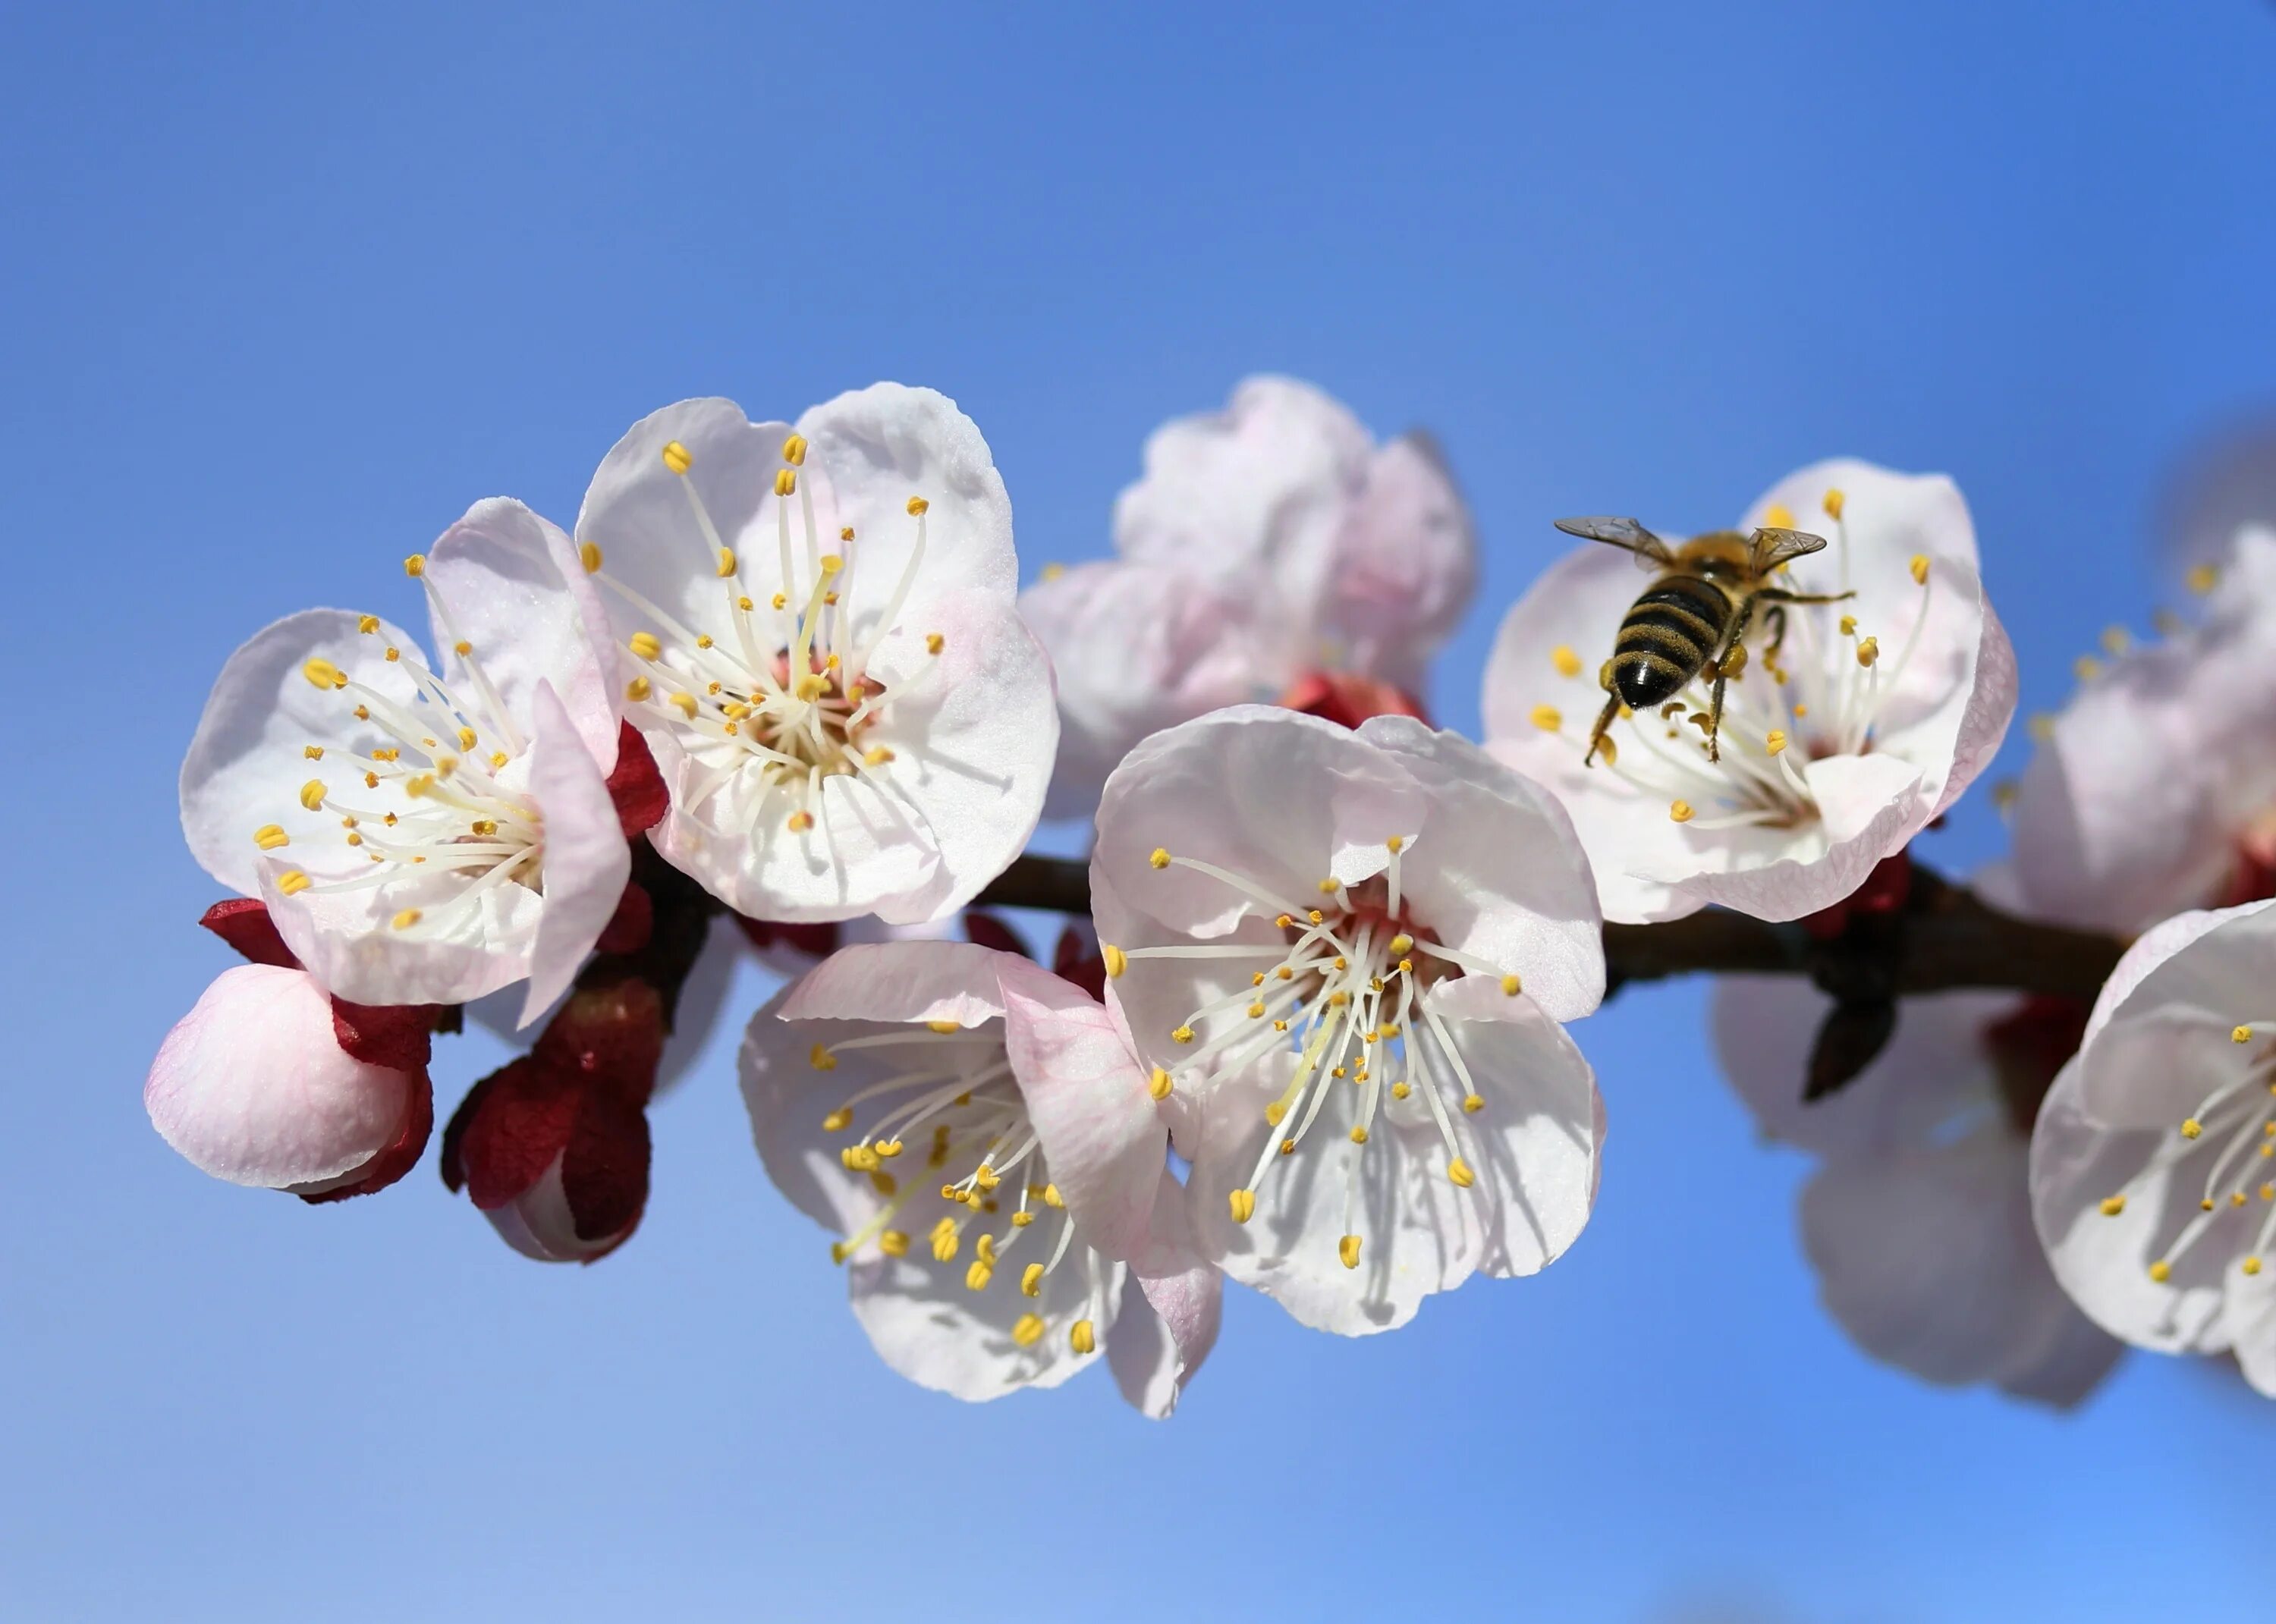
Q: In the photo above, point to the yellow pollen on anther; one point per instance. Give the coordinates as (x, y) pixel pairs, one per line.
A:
(676, 457)
(794, 451)
(893, 1243)
(1328, 886)
(393, 655)
(324, 674)
(1051, 1197)
(917, 506)
(726, 565)
(1358, 1135)
(1256, 1011)
(1834, 501)
(268, 837)
(1082, 1337)
(1548, 718)
(799, 823)
(2203, 578)
(646, 645)
(415, 566)
(2191, 1128)
(1031, 1279)
(876, 755)
(685, 704)
(1869, 651)
(2086, 668)
(498, 758)
(1160, 858)
(637, 689)
(976, 1277)
(1680, 810)
(465, 738)
(1459, 1171)
(1566, 662)
(812, 687)
(1399, 1090)
(1779, 516)
(2112, 1205)
(1116, 960)
(313, 751)
(820, 1058)
(1474, 1102)
(589, 554)
(785, 483)
(404, 920)
(2240, 1035)
(1182, 1035)
(1347, 1248)
(1027, 1330)
(312, 794)
(2161, 1272)
(781, 600)
(934, 642)
(2250, 1265)
(1159, 1086)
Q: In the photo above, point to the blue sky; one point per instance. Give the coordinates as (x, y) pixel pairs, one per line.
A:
(282, 291)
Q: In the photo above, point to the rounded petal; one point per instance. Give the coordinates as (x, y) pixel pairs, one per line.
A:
(907, 980)
(250, 755)
(1869, 808)
(2159, 1043)
(540, 1224)
(251, 1087)
(1405, 564)
(509, 583)
(930, 1328)
(1088, 1097)
(586, 862)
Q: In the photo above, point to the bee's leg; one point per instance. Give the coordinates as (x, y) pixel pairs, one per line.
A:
(1774, 617)
(1604, 724)
(1779, 594)
(1731, 640)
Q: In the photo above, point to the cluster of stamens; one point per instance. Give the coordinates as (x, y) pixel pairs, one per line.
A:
(788, 700)
(1339, 993)
(949, 1091)
(445, 809)
(1824, 696)
(2233, 1132)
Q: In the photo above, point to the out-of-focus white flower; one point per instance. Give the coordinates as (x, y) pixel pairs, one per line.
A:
(1839, 743)
(425, 834)
(1267, 544)
(823, 651)
(1347, 953)
(2154, 791)
(2153, 1166)
(1917, 1221)
(959, 1119)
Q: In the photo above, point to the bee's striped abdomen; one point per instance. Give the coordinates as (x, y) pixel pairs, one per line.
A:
(1666, 637)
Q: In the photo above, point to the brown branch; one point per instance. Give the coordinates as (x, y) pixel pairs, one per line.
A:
(1950, 938)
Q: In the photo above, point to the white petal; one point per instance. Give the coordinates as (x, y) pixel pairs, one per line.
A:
(930, 1328)
(586, 860)
(1406, 564)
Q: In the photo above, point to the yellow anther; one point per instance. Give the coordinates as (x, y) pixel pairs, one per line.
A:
(313, 751)
(2203, 578)
(1083, 1337)
(1358, 1135)
(268, 837)
(498, 758)
(393, 655)
(934, 642)
(324, 674)
(889, 1148)
(404, 920)
(589, 554)
(1116, 960)
(1401, 1090)
(799, 823)
(1288, 1147)
(840, 1250)
(355, 839)
(2240, 1035)
(1848, 626)
(1315, 915)
(1279, 1026)
(676, 457)
(875, 755)
(1566, 662)
(1347, 1248)
(2204, 1204)
(820, 1058)
(2112, 1205)
(893, 1243)
(1834, 501)
(917, 506)
(1459, 1171)
(1774, 741)
(1328, 886)
(363, 713)
(292, 882)
(794, 451)
(415, 566)
(944, 1243)
(1027, 1330)
(1182, 1035)
(1548, 718)
(1243, 1205)
(727, 567)
(811, 686)
(446, 766)
(1474, 1102)
(485, 826)
(1256, 1011)
(1388, 1030)
(1160, 1085)
(2086, 668)
(1511, 986)
(781, 601)
(683, 703)
(646, 645)
(703, 640)
(1400, 943)
(976, 1277)
(2250, 1265)
(1869, 651)
(312, 794)
(2116, 640)
(1919, 567)
(1779, 516)
(1021, 1220)
(1680, 810)
(943, 1026)
(1031, 1279)
(2191, 1128)
(2042, 726)
(465, 738)
(2161, 1272)
(785, 483)
(637, 690)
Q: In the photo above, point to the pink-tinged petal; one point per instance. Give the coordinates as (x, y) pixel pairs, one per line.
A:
(2252, 1331)
(1926, 1256)
(349, 942)
(250, 1086)
(2103, 1258)
(586, 862)
(1088, 1097)
(1172, 1304)
(1871, 807)
(1136, 647)
(1261, 487)
(1405, 563)
(929, 1327)
(543, 1222)
(249, 758)
(512, 584)
(902, 981)
(2159, 1043)
(1497, 870)
(2068, 1363)
(1144, 1355)
(1991, 709)
(1935, 1069)
(972, 736)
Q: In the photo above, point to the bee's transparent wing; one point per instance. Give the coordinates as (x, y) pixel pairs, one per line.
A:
(1650, 552)
(1774, 547)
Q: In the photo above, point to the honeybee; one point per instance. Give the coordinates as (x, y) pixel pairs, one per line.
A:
(1694, 615)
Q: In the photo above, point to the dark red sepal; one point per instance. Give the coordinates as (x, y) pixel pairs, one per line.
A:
(399, 1036)
(604, 1168)
(521, 1121)
(816, 941)
(244, 924)
(984, 929)
(400, 1156)
(1077, 959)
(1342, 698)
(1886, 890)
(635, 786)
(630, 927)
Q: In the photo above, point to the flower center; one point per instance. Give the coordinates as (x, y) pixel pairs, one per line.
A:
(2233, 1134)
(786, 701)
(1340, 995)
(950, 1090)
(444, 811)
(1823, 696)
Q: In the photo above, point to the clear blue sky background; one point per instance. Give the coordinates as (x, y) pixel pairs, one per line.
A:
(281, 292)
